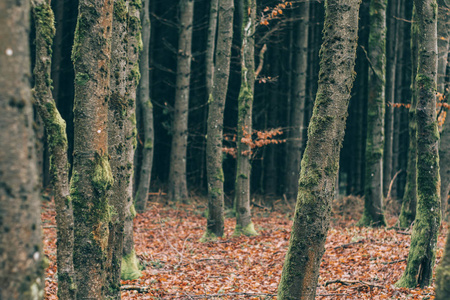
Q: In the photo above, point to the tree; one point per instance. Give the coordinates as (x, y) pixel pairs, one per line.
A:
(217, 97)
(244, 224)
(57, 142)
(443, 274)
(177, 173)
(21, 259)
(145, 113)
(373, 191)
(320, 162)
(422, 252)
(91, 177)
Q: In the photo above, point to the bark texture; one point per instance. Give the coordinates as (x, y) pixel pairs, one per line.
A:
(244, 224)
(211, 45)
(177, 173)
(297, 117)
(443, 274)
(422, 253)
(373, 191)
(215, 224)
(320, 162)
(21, 256)
(145, 107)
(55, 128)
(91, 177)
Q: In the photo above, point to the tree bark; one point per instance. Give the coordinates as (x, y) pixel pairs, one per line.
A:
(144, 105)
(21, 254)
(422, 253)
(373, 193)
(443, 274)
(91, 177)
(244, 224)
(55, 128)
(297, 118)
(177, 173)
(217, 97)
(211, 45)
(320, 162)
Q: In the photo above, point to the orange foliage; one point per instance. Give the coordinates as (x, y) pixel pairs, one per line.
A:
(271, 13)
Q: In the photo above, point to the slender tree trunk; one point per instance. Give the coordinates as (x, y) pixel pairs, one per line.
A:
(422, 253)
(217, 97)
(91, 176)
(320, 162)
(297, 118)
(409, 203)
(211, 45)
(144, 104)
(244, 224)
(21, 255)
(373, 193)
(443, 274)
(177, 173)
(55, 127)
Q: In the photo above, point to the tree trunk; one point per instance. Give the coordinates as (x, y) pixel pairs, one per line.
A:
(244, 224)
(373, 193)
(57, 142)
(320, 161)
(91, 176)
(297, 118)
(211, 45)
(21, 254)
(422, 253)
(177, 173)
(443, 274)
(409, 203)
(217, 97)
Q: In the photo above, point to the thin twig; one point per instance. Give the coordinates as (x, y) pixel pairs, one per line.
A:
(388, 197)
(352, 282)
(261, 60)
(394, 261)
(209, 296)
(349, 244)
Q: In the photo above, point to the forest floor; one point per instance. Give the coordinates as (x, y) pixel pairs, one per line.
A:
(359, 263)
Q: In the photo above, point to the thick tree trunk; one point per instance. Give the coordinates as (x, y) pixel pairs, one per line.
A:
(320, 161)
(21, 255)
(217, 97)
(177, 173)
(57, 143)
(422, 253)
(443, 274)
(409, 203)
(91, 176)
(244, 224)
(144, 105)
(373, 192)
(297, 117)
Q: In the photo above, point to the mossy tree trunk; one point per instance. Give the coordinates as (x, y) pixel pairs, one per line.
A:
(211, 45)
(320, 162)
(130, 263)
(177, 172)
(409, 201)
(373, 192)
(21, 254)
(297, 112)
(244, 224)
(55, 127)
(217, 97)
(92, 176)
(145, 111)
(422, 252)
(443, 274)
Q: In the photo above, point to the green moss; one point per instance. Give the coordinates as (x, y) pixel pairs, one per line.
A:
(119, 105)
(45, 19)
(243, 176)
(135, 74)
(56, 127)
(120, 11)
(219, 175)
(82, 27)
(215, 192)
(81, 78)
(130, 267)
(102, 178)
(425, 82)
(148, 144)
(245, 99)
(136, 3)
(208, 236)
(248, 230)
(132, 211)
(319, 125)
(149, 104)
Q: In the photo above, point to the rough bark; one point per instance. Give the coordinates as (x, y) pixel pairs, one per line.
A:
(422, 253)
(21, 255)
(443, 274)
(144, 105)
(297, 117)
(409, 203)
(177, 172)
(55, 128)
(320, 162)
(211, 45)
(244, 224)
(215, 223)
(91, 176)
(373, 192)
